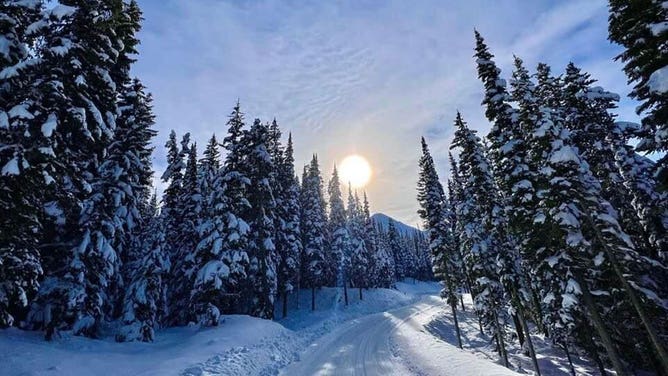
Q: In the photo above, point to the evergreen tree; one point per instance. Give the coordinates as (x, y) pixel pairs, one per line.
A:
(145, 303)
(639, 26)
(340, 247)
(386, 268)
(189, 211)
(20, 175)
(370, 238)
(479, 240)
(359, 264)
(289, 235)
(313, 225)
(221, 258)
(431, 198)
(77, 110)
(508, 153)
(258, 168)
(396, 250)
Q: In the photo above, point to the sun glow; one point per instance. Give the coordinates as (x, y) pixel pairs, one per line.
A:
(356, 170)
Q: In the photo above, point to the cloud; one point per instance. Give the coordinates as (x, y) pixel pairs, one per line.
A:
(350, 76)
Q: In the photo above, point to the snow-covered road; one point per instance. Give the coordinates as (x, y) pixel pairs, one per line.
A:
(394, 342)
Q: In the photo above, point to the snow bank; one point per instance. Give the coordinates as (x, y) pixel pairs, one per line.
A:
(175, 349)
(241, 345)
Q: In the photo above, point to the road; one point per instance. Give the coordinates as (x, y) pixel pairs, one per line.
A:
(394, 342)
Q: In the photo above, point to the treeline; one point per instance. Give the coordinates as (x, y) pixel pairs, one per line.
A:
(84, 241)
(243, 230)
(554, 221)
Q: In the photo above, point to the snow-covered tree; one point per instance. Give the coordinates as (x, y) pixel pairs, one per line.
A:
(479, 240)
(77, 110)
(313, 226)
(258, 168)
(433, 206)
(339, 242)
(20, 225)
(288, 240)
(640, 27)
(145, 302)
(360, 275)
(221, 258)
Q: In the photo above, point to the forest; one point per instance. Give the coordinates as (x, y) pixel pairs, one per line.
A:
(555, 222)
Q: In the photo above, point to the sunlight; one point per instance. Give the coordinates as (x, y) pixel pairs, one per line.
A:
(356, 170)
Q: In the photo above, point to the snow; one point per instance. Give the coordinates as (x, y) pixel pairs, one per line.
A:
(20, 111)
(49, 125)
(658, 28)
(383, 221)
(564, 154)
(11, 167)
(4, 120)
(658, 81)
(403, 331)
(61, 11)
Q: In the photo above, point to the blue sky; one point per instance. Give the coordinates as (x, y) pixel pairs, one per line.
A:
(366, 77)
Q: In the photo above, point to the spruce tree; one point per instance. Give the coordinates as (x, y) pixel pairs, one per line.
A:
(479, 240)
(77, 110)
(313, 226)
(639, 26)
(20, 225)
(339, 242)
(289, 235)
(359, 260)
(258, 168)
(433, 206)
(145, 302)
(221, 257)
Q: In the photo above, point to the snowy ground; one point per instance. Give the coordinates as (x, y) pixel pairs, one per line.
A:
(391, 332)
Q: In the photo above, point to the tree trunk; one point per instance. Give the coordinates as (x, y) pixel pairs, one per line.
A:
(539, 311)
(502, 345)
(568, 356)
(600, 326)
(461, 299)
(525, 327)
(345, 292)
(459, 336)
(518, 328)
(313, 299)
(656, 342)
(360, 293)
(285, 304)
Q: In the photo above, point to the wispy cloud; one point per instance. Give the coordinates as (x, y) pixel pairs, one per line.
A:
(355, 76)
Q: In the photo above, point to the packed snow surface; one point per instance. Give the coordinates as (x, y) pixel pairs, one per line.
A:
(403, 331)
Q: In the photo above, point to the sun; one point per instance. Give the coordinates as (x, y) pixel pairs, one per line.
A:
(355, 169)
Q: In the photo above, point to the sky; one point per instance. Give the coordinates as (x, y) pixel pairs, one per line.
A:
(356, 76)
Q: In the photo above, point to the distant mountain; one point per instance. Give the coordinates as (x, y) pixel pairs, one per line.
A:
(383, 220)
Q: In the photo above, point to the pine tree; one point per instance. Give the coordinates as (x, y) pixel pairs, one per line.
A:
(186, 237)
(77, 110)
(221, 258)
(431, 198)
(508, 153)
(359, 256)
(313, 225)
(20, 225)
(386, 268)
(258, 168)
(396, 250)
(479, 240)
(289, 237)
(145, 302)
(639, 26)
(340, 247)
(370, 239)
